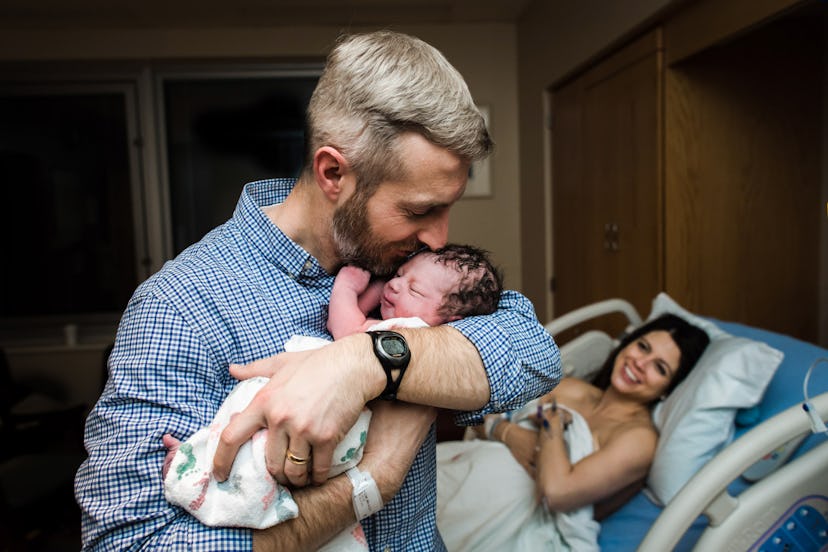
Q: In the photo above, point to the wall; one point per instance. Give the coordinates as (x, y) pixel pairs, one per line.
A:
(554, 39)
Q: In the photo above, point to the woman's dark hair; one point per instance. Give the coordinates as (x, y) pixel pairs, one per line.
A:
(690, 340)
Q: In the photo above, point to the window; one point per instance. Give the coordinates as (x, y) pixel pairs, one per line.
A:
(222, 132)
(95, 201)
(70, 235)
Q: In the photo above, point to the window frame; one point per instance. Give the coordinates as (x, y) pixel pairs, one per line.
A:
(128, 90)
(203, 72)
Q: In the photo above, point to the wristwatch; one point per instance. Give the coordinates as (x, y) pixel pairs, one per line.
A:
(393, 353)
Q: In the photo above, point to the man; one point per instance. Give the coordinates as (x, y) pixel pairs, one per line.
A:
(392, 130)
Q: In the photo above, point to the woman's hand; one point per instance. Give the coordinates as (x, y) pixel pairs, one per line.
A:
(522, 443)
(550, 416)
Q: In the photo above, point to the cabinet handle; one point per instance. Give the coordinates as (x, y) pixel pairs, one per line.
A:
(611, 236)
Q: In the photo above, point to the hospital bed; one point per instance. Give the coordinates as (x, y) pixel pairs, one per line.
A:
(760, 478)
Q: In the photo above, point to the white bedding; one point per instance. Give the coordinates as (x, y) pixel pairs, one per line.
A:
(486, 501)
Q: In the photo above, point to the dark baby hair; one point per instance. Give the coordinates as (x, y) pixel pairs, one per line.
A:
(481, 283)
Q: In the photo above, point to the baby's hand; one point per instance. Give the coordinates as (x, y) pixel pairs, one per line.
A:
(354, 278)
(172, 445)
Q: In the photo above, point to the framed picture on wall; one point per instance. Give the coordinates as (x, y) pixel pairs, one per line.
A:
(480, 179)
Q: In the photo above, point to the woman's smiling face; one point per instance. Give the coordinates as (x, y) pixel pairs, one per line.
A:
(646, 366)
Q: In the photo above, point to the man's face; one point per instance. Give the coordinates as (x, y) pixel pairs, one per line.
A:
(354, 240)
(380, 231)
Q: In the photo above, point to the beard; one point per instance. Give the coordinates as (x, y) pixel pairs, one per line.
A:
(358, 245)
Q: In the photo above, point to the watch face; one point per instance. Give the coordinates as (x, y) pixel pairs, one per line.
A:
(393, 354)
(394, 346)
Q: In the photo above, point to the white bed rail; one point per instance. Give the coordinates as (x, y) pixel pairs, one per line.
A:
(754, 510)
(594, 310)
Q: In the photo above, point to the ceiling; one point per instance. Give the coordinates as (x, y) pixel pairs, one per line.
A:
(22, 14)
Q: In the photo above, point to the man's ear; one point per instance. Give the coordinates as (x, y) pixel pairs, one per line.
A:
(329, 166)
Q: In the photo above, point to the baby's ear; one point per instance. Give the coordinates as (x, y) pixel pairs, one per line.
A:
(453, 317)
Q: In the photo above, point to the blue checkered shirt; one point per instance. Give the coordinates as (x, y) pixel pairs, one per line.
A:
(234, 297)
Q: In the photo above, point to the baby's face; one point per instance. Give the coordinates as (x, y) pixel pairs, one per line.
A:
(418, 289)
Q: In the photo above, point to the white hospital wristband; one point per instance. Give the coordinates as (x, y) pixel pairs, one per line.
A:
(366, 496)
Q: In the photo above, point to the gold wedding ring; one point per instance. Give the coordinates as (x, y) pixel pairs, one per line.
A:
(298, 460)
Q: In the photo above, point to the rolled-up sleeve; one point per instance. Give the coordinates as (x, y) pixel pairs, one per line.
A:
(521, 358)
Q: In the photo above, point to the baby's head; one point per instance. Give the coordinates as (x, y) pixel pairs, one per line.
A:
(439, 286)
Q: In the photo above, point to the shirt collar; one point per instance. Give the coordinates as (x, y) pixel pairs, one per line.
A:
(275, 245)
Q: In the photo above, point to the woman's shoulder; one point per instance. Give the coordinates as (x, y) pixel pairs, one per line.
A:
(639, 430)
(627, 428)
(575, 389)
(576, 394)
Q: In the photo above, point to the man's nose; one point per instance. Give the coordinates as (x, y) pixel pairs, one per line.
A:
(435, 234)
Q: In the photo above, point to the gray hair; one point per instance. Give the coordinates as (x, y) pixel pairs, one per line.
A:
(379, 85)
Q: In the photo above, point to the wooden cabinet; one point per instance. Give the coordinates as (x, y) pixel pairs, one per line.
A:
(710, 168)
(607, 180)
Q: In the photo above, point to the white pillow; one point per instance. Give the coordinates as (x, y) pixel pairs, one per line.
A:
(584, 355)
(697, 420)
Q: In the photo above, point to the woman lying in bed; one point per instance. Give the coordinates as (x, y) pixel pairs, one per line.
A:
(532, 481)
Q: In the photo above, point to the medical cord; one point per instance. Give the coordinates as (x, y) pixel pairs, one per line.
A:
(817, 425)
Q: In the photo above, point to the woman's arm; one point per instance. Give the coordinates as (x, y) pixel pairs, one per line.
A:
(521, 442)
(619, 463)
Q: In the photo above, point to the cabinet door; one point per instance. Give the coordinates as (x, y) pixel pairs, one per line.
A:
(607, 180)
(744, 160)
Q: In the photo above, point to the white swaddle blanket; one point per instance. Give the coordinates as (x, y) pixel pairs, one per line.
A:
(251, 497)
(486, 501)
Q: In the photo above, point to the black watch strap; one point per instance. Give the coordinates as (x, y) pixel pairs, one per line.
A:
(393, 353)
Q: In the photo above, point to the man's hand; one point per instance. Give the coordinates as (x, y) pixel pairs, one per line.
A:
(311, 401)
(395, 436)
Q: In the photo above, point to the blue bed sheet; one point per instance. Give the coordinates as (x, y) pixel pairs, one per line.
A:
(626, 528)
